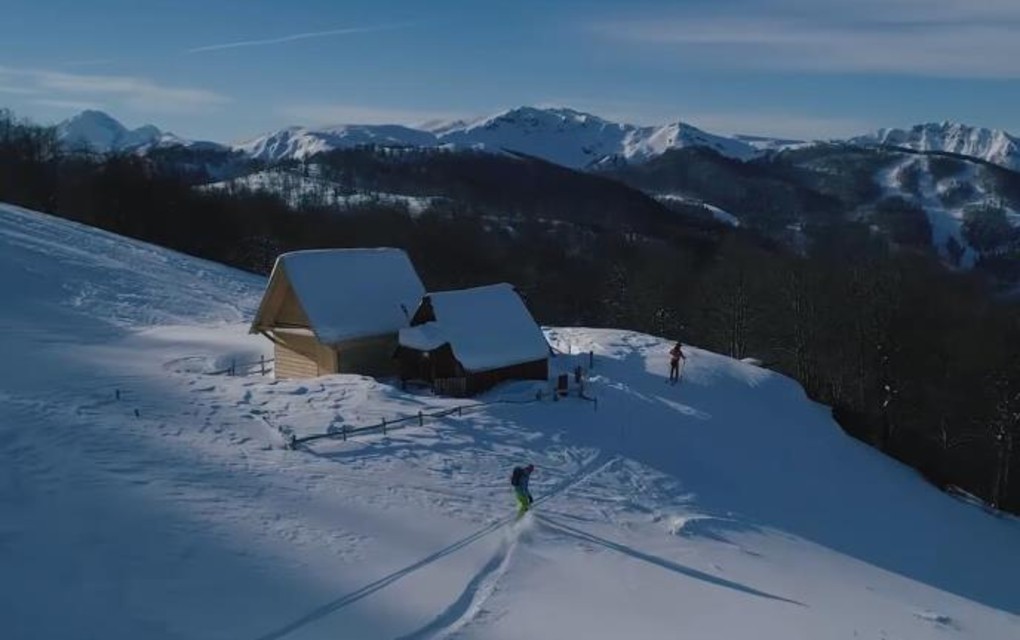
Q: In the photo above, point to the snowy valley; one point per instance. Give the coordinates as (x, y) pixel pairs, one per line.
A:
(144, 497)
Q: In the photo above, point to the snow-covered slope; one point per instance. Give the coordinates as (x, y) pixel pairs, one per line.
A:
(718, 214)
(563, 136)
(768, 143)
(142, 497)
(299, 190)
(945, 199)
(99, 132)
(298, 143)
(995, 146)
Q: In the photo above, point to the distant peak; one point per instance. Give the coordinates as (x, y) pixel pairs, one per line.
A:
(557, 113)
(99, 131)
(95, 116)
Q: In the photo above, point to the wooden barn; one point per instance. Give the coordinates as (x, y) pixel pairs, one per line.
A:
(464, 342)
(338, 310)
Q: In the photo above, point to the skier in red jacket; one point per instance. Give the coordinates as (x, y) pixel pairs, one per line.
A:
(675, 355)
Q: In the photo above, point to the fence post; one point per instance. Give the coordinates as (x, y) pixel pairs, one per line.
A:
(262, 363)
(591, 359)
(116, 394)
(233, 366)
(384, 426)
(421, 419)
(343, 431)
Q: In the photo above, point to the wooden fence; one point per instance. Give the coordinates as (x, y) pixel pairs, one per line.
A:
(419, 419)
(262, 366)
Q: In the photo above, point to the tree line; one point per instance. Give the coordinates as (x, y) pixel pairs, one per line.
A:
(915, 360)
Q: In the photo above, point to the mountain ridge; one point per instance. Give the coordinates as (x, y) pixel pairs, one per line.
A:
(992, 145)
(98, 132)
(562, 135)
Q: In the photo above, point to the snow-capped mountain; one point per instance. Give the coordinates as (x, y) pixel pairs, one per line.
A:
(99, 132)
(994, 145)
(576, 139)
(564, 136)
(299, 143)
(561, 135)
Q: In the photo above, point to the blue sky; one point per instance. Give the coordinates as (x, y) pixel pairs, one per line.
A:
(230, 69)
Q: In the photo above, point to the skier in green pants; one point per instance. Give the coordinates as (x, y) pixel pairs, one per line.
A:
(519, 480)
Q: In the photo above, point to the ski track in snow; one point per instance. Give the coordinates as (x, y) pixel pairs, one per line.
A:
(483, 585)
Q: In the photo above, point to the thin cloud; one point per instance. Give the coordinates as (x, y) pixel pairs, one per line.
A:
(130, 91)
(936, 38)
(75, 105)
(93, 62)
(327, 114)
(298, 36)
(780, 125)
(19, 91)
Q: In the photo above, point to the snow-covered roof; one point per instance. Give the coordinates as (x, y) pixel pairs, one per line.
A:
(424, 337)
(487, 327)
(352, 293)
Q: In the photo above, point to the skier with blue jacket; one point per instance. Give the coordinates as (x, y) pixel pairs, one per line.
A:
(519, 480)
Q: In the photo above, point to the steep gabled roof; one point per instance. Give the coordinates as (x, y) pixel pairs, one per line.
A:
(487, 328)
(345, 294)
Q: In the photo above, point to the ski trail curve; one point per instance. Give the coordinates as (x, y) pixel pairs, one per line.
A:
(480, 587)
(484, 584)
(471, 601)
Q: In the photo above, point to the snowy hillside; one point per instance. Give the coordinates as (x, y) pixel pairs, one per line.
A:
(563, 136)
(718, 214)
(144, 498)
(997, 147)
(99, 132)
(767, 143)
(299, 143)
(944, 199)
(299, 190)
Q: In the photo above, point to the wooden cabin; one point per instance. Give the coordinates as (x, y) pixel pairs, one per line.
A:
(337, 310)
(464, 342)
